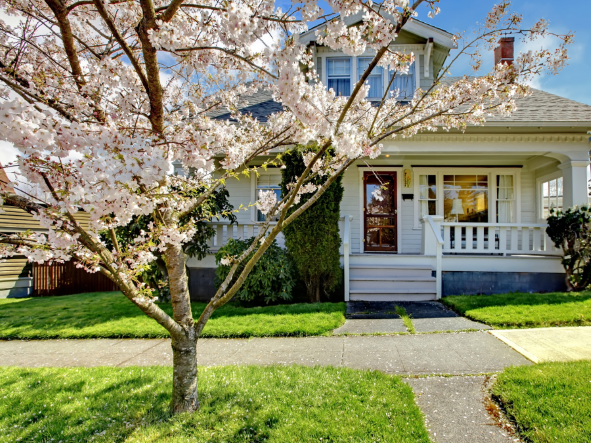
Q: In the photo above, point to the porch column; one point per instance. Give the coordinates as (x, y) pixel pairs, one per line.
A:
(574, 175)
(428, 239)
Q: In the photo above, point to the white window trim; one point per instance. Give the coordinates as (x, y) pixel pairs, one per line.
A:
(253, 192)
(492, 184)
(540, 193)
(416, 49)
(378, 169)
(353, 69)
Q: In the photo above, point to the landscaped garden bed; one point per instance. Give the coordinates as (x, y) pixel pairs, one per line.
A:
(549, 401)
(238, 404)
(111, 315)
(524, 310)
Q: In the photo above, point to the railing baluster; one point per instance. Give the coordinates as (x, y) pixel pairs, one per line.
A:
(469, 239)
(480, 238)
(514, 239)
(446, 237)
(502, 239)
(457, 238)
(536, 241)
(525, 239)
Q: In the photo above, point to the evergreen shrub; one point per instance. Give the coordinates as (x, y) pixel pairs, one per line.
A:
(313, 239)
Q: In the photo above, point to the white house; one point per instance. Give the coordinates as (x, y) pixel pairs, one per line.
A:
(466, 211)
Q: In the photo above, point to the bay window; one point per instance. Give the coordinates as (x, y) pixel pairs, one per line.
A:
(339, 75)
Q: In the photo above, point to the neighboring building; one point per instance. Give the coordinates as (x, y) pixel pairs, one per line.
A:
(465, 212)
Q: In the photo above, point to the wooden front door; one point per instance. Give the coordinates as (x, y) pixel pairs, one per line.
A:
(380, 230)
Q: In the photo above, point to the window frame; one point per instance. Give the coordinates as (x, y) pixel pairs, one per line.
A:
(373, 74)
(322, 55)
(540, 193)
(254, 188)
(492, 186)
(352, 70)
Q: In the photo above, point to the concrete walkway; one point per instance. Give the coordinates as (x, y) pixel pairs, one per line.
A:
(454, 409)
(462, 353)
(549, 344)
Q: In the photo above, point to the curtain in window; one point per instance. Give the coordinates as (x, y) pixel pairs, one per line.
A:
(404, 83)
(341, 86)
(505, 198)
(374, 80)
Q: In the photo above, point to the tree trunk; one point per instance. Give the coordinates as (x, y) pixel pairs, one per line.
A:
(313, 287)
(184, 379)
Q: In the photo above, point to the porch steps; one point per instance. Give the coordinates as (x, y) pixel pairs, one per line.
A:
(384, 282)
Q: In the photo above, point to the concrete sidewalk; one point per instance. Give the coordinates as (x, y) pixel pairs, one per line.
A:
(461, 353)
(549, 344)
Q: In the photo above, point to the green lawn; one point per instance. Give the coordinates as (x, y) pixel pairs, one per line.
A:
(522, 310)
(111, 315)
(238, 404)
(550, 402)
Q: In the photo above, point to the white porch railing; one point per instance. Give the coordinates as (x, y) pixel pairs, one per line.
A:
(497, 238)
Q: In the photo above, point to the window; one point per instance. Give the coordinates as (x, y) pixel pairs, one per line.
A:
(551, 196)
(505, 199)
(404, 83)
(427, 195)
(339, 75)
(266, 182)
(465, 198)
(375, 79)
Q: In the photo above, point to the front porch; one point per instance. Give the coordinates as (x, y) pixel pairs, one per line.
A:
(455, 258)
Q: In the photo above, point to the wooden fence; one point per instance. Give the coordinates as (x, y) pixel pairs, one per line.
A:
(66, 278)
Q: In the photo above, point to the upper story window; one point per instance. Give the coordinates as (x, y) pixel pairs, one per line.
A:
(339, 75)
(375, 79)
(405, 83)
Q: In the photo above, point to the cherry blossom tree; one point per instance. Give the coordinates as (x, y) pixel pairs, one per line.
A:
(100, 96)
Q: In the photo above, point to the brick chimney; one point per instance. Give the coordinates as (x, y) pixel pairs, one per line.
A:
(504, 52)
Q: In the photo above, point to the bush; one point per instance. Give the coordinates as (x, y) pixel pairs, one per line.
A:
(569, 230)
(313, 239)
(271, 279)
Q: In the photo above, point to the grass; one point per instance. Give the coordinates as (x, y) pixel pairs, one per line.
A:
(549, 401)
(522, 310)
(111, 315)
(406, 319)
(238, 404)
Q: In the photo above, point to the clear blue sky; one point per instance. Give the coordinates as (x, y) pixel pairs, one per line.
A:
(574, 81)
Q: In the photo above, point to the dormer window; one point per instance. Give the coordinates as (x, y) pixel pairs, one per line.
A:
(405, 83)
(339, 75)
(375, 79)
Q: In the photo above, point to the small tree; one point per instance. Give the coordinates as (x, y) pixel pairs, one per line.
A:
(570, 230)
(100, 96)
(313, 239)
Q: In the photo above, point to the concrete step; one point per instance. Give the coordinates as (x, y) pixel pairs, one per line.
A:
(392, 297)
(379, 284)
(389, 271)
